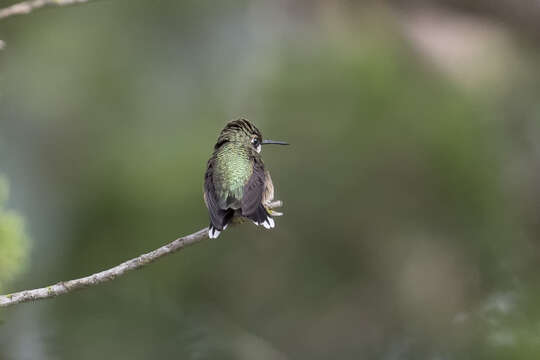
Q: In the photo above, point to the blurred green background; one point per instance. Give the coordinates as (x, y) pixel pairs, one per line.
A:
(411, 187)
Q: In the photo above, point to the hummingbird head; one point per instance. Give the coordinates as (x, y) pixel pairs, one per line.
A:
(243, 132)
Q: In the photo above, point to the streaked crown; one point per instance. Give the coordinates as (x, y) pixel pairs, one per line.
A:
(241, 132)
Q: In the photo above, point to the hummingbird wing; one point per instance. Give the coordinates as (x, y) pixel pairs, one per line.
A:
(219, 217)
(252, 201)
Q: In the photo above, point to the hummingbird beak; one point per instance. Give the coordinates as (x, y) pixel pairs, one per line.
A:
(265, 142)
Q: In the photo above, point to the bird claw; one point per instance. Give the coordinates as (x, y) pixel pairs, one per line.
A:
(274, 213)
(272, 205)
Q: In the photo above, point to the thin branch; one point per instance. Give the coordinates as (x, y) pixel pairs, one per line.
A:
(26, 7)
(65, 287)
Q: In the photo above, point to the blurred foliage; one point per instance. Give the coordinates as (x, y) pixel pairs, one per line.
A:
(13, 239)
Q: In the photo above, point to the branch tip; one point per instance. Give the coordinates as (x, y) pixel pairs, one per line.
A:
(65, 287)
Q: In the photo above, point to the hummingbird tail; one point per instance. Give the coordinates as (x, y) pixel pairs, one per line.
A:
(219, 223)
(261, 217)
(213, 233)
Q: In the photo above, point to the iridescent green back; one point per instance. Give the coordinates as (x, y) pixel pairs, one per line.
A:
(233, 167)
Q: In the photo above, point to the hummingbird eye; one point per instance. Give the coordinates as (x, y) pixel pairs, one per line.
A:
(255, 141)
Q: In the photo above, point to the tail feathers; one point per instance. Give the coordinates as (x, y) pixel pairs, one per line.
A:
(268, 223)
(213, 233)
(261, 217)
(215, 229)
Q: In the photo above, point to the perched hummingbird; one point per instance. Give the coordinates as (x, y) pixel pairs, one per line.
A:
(236, 182)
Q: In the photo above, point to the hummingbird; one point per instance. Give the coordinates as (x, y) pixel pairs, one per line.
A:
(236, 183)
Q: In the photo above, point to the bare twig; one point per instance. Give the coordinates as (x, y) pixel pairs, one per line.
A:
(65, 287)
(26, 7)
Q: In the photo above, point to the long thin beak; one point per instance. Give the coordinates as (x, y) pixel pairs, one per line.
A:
(265, 142)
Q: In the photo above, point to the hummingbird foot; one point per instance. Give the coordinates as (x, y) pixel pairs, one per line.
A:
(274, 213)
(271, 205)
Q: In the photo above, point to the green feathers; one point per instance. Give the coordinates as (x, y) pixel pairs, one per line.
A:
(232, 170)
(236, 182)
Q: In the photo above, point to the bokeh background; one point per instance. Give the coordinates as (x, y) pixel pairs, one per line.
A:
(411, 189)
